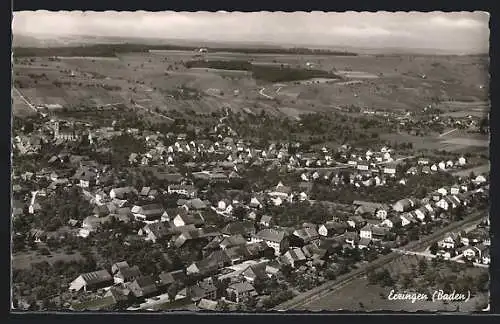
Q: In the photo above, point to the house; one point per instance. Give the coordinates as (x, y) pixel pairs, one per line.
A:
(295, 257)
(126, 274)
(407, 219)
(210, 264)
(277, 239)
(450, 241)
(404, 205)
(356, 222)
(168, 278)
(122, 193)
(423, 161)
(364, 243)
(203, 290)
(91, 281)
(392, 222)
(143, 287)
(240, 291)
(332, 228)
(266, 221)
(255, 272)
(351, 238)
(155, 231)
(255, 203)
(366, 231)
(412, 170)
(118, 265)
(434, 168)
(390, 169)
(184, 219)
(426, 169)
(472, 253)
(486, 259)
(245, 228)
(306, 235)
(462, 161)
(455, 190)
(232, 241)
(149, 212)
(282, 192)
(183, 190)
(442, 165)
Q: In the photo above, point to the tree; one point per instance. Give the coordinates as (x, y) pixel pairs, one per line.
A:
(434, 248)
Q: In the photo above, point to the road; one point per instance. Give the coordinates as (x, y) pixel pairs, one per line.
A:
(448, 132)
(428, 255)
(331, 286)
(25, 100)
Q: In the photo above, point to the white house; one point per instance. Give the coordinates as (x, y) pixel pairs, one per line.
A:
(434, 168)
(462, 161)
(442, 165)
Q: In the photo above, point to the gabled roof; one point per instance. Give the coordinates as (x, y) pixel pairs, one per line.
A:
(128, 273)
(295, 254)
(238, 228)
(95, 277)
(167, 278)
(306, 234)
(241, 287)
(234, 240)
(272, 235)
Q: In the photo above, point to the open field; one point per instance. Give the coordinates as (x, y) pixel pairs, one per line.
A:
(359, 295)
(482, 169)
(25, 260)
(375, 82)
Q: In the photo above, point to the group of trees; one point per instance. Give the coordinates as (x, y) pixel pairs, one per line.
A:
(264, 73)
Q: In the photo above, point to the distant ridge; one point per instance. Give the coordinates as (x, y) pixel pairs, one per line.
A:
(41, 41)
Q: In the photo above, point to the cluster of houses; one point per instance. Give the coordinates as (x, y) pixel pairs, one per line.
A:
(242, 252)
(472, 246)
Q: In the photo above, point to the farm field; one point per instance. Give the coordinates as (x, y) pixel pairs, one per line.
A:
(25, 260)
(482, 169)
(359, 295)
(369, 82)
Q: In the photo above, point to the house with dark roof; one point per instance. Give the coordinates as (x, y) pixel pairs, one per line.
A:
(118, 265)
(306, 235)
(295, 257)
(239, 291)
(143, 287)
(255, 272)
(184, 219)
(155, 231)
(244, 228)
(332, 228)
(168, 278)
(232, 241)
(126, 274)
(202, 290)
(91, 281)
(211, 264)
(149, 212)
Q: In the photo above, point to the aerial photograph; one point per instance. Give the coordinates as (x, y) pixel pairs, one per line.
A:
(250, 162)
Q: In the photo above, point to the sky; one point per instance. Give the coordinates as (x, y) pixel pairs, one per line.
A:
(448, 31)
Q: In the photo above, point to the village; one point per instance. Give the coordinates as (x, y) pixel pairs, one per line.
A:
(132, 219)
